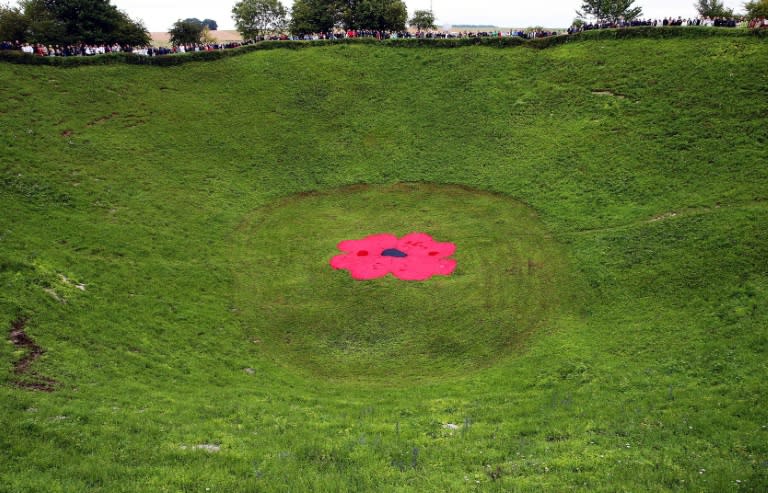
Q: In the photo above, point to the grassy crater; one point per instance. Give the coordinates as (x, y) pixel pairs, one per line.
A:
(305, 315)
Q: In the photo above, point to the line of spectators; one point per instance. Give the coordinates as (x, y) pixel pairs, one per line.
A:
(92, 50)
(669, 21)
(527, 34)
(409, 35)
(187, 48)
(70, 50)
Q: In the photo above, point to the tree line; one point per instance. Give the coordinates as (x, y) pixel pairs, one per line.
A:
(97, 22)
(255, 19)
(70, 22)
(616, 11)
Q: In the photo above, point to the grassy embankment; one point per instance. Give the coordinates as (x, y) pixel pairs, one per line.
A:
(165, 234)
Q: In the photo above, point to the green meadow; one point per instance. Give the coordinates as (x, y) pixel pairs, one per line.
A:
(171, 322)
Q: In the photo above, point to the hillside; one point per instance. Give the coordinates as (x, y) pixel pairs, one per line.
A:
(173, 323)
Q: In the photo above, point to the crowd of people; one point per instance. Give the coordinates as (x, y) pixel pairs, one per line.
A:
(429, 34)
(671, 21)
(92, 50)
(186, 48)
(71, 50)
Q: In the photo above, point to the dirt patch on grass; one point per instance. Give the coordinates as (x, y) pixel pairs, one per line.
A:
(103, 119)
(661, 217)
(26, 378)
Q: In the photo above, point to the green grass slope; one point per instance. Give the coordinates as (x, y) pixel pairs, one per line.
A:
(165, 234)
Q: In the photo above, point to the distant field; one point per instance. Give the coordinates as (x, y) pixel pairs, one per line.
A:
(172, 321)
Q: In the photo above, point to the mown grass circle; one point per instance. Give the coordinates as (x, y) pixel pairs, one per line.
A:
(305, 315)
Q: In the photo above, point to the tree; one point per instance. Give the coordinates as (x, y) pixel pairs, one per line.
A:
(254, 18)
(394, 16)
(712, 8)
(577, 23)
(13, 24)
(381, 15)
(211, 24)
(40, 24)
(132, 33)
(95, 21)
(422, 20)
(757, 9)
(313, 16)
(323, 15)
(185, 32)
(69, 22)
(193, 20)
(206, 37)
(611, 11)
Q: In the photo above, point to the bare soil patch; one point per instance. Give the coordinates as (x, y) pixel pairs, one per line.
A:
(27, 378)
(103, 119)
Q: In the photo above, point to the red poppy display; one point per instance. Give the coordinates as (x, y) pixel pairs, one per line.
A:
(414, 257)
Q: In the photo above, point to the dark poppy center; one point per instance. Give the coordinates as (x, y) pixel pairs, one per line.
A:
(393, 252)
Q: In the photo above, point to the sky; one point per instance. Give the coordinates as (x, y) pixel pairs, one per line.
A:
(159, 15)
